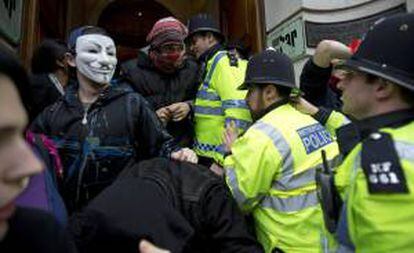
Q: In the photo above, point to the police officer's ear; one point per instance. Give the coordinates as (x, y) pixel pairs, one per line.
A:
(211, 38)
(385, 89)
(70, 58)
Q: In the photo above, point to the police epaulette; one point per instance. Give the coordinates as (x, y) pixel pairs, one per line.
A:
(234, 62)
(381, 165)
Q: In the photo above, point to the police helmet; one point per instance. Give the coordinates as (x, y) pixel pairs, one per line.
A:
(269, 67)
(203, 22)
(387, 51)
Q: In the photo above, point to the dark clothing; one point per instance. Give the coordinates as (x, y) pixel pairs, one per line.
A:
(95, 144)
(126, 212)
(161, 89)
(314, 83)
(189, 192)
(32, 230)
(44, 93)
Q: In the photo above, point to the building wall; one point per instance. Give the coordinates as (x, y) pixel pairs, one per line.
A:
(330, 19)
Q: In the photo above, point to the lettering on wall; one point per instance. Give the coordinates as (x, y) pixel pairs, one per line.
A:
(289, 39)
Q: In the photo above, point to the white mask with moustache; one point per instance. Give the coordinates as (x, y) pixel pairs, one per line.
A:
(96, 57)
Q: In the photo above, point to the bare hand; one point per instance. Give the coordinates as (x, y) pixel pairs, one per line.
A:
(164, 114)
(147, 247)
(304, 106)
(185, 155)
(217, 169)
(230, 135)
(179, 110)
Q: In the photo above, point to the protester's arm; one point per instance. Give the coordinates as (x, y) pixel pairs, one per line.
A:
(152, 138)
(328, 50)
(317, 70)
(331, 119)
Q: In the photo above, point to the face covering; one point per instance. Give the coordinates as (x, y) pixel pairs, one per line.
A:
(167, 62)
(96, 57)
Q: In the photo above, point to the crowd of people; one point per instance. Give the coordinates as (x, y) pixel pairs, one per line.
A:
(195, 146)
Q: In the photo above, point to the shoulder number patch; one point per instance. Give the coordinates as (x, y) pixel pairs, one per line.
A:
(381, 165)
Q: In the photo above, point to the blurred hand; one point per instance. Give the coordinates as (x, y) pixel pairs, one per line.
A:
(179, 110)
(217, 169)
(328, 50)
(304, 106)
(164, 114)
(147, 247)
(230, 135)
(185, 155)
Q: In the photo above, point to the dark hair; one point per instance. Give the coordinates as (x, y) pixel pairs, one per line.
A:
(205, 34)
(406, 95)
(284, 91)
(11, 67)
(83, 30)
(47, 53)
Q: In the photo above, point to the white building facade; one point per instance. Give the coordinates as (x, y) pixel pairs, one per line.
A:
(297, 26)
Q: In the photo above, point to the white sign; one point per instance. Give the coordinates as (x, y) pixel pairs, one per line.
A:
(289, 38)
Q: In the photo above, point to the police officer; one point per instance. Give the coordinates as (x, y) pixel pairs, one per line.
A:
(376, 179)
(218, 102)
(271, 168)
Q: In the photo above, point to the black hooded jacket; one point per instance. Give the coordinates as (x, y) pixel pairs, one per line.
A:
(180, 206)
(161, 89)
(95, 144)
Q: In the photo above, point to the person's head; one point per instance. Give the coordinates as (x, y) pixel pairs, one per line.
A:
(50, 56)
(18, 162)
(167, 48)
(94, 54)
(379, 76)
(270, 78)
(204, 33)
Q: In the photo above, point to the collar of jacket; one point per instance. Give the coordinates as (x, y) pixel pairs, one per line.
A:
(207, 55)
(113, 91)
(351, 134)
(274, 106)
(392, 119)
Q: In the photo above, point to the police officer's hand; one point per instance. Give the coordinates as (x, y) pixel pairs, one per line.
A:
(147, 247)
(217, 169)
(179, 110)
(185, 155)
(229, 136)
(164, 114)
(304, 106)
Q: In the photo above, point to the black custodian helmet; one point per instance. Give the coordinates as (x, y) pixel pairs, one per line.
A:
(387, 51)
(203, 22)
(269, 67)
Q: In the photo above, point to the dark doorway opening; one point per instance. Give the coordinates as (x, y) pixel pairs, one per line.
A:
(129, 21)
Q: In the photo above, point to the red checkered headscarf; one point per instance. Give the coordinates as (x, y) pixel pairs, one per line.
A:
(167, 30)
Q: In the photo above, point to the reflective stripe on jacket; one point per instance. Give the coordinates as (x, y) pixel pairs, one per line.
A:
(218, 102)
(377, 222)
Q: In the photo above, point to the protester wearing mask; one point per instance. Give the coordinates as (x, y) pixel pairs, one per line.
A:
(166, 78)
(100, 127)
